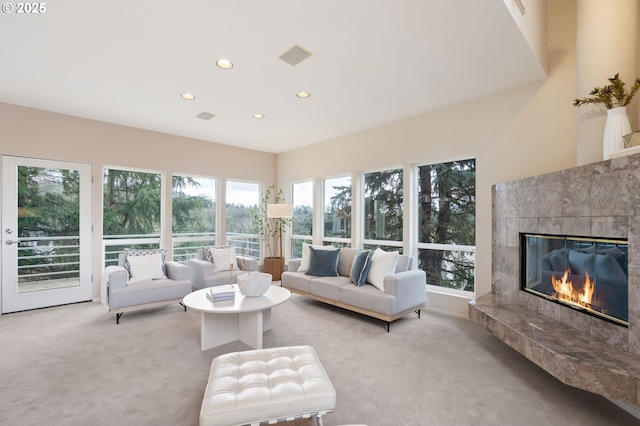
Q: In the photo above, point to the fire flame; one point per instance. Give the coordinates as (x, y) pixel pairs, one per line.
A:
(565, 291)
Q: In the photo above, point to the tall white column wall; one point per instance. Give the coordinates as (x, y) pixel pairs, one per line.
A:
(606, 44)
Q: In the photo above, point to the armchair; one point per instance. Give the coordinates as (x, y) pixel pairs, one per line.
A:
(203, 274)
(145, 282)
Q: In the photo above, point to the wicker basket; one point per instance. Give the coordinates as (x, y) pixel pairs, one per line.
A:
(273, 266)
(254, 284)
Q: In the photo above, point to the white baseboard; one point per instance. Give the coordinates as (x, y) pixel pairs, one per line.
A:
(447, 313)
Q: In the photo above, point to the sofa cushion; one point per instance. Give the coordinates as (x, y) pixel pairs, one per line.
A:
(383, 263)
(297, 281)
(405, 263)
(328, 287)
(148, 292)
(345, 260)
(148, 267)
(323, 263)
(304, 263)
(558, 260)
(360, 267)
(370, 298)
(607, 268)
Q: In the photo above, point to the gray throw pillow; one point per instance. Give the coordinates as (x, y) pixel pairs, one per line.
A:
(323, 263)
(558, 261)
(360, 267)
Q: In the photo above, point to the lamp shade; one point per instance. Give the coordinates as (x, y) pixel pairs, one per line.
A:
(279, 211)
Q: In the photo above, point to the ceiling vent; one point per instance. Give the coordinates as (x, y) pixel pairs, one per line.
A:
(295, 55)
(205, 116)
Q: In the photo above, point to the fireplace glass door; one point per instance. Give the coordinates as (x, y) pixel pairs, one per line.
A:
(587, 274)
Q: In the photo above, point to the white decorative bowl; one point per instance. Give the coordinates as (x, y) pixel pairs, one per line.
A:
(254, 284)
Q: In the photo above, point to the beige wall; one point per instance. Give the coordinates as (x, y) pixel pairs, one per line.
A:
(39, 134)
(532, 24)
(518, 133)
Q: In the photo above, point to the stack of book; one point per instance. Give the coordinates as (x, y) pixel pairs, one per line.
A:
(219, 297)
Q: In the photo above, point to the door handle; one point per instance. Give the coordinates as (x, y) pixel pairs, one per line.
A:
(9, 242)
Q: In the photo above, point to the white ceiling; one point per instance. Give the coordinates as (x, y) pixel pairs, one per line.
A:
(373, 62)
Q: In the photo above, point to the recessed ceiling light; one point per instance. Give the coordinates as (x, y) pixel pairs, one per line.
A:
(303, 95)
(225, 64)
(187, 96)
(258, 115)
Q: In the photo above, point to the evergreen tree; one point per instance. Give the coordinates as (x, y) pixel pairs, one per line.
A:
(447, 216)
(383, 205)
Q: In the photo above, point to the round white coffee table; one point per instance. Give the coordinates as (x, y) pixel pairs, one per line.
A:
(244, 318)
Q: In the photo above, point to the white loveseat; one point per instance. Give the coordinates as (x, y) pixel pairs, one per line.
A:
(404, 289)
(204, 273)
(125, 294)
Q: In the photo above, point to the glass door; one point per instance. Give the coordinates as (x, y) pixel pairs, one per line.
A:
(46, 233)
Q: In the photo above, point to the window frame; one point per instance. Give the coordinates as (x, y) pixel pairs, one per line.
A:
(153, 241)
(240, 240)
(335, 241)
(303, 238)
(445, 247)
(204, 238)
(370, 242)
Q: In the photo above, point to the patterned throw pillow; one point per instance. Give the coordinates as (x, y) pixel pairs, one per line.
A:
(142, 252)
(206, 252)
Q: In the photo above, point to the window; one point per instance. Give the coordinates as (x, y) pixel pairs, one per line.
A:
(131, 211)
(194, 215)
(243, 198)
(302, 222)
(337, 211)
(383, 210)
(446, 223)
(48, 206)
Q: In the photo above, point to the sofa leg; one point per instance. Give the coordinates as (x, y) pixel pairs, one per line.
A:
(418, 312)
(388, 324)
(118, 317)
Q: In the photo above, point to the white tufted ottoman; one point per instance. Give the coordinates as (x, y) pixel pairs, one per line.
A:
(266, 385)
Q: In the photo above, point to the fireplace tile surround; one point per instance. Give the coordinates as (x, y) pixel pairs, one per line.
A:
(595, 200)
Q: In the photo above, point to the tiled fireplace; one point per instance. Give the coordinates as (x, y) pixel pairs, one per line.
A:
(596, 202)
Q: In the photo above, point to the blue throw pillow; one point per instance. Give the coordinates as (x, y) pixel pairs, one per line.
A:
(360, 267)
(323, 263)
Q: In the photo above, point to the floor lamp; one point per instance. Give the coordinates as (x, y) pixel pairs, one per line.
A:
(279, 212)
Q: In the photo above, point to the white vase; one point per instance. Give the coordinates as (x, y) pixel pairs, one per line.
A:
(616, 127)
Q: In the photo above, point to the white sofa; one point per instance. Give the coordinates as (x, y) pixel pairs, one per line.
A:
(404, 291)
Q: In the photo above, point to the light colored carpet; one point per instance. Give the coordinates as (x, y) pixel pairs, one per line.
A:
(72, 365)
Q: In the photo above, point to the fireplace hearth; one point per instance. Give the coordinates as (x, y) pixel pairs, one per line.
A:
(586, 274)
(599, 202)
